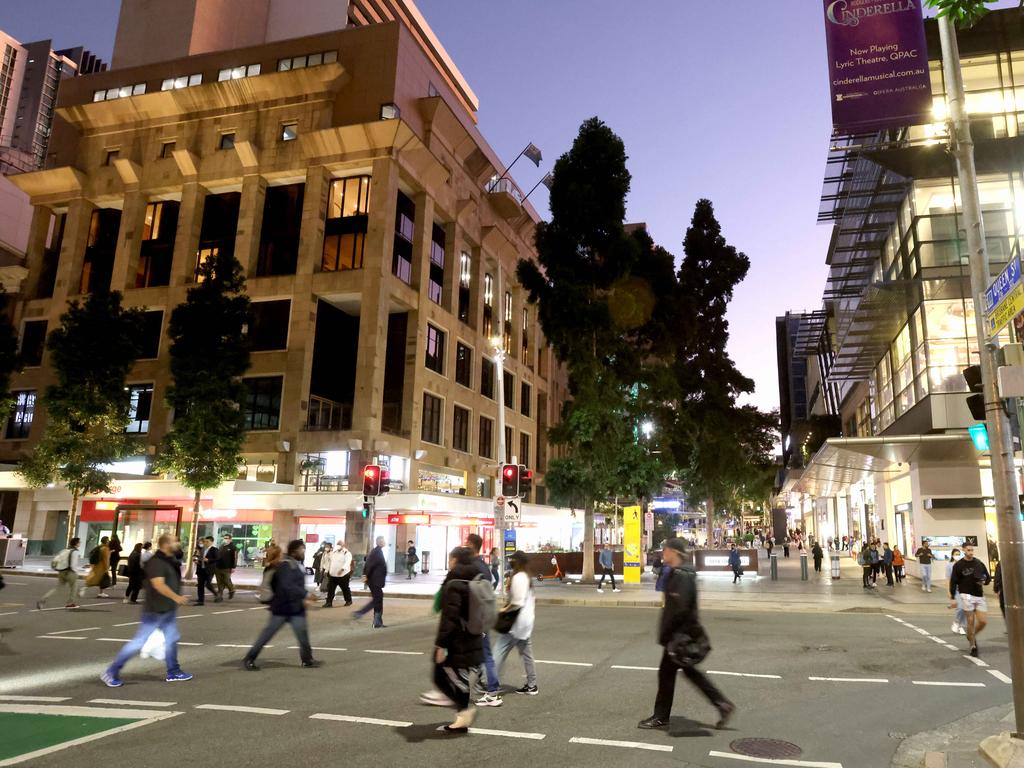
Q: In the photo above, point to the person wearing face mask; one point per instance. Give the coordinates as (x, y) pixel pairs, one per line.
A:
(968, 578)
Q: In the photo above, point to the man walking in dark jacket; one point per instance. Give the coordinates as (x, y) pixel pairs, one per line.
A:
(227, 561)
(678, 618)
(287, 606)
(206, 565)
(375, 574)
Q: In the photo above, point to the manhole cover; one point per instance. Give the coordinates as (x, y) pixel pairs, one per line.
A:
(765, 748)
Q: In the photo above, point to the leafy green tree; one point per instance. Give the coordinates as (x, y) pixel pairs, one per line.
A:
(715, 440)
(88, 408)
(597, 286)
(209, 354)
(964, 13)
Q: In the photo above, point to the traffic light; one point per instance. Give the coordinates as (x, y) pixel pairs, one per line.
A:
(366, 509)
(975, 401)
(510, 480)
(525, 481)
(371, 480)
(385, 481)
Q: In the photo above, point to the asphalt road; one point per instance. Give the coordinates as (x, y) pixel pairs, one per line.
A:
(886, 679)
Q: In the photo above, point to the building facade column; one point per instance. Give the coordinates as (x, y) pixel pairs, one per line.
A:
(129, 239)
(314, 214)
(250, 222)
(72, 253)
(186, 238)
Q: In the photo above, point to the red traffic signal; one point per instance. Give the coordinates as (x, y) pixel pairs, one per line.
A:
(525, 481)
(510, 480)
(371, 480)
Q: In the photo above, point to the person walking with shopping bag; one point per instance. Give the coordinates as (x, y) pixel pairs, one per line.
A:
(159, 614)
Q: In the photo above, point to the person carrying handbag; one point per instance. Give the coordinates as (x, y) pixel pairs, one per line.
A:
(514, 628)
(684, 641)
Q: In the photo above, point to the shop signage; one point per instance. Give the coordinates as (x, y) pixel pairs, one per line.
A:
(720, 561)
(877, 64)
(1004, 299)
(409, 519)
(632, 555)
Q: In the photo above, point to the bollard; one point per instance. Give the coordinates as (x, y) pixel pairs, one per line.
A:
(835, 566)
(803, 567)
(775, 566)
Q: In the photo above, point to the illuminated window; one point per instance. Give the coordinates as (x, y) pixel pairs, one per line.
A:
(183, 81)
(488, 328)
(465, 280)
(140, 398)
(237, 73)
(261, 405)
(19, 423)
(289, 132)
(401, 258)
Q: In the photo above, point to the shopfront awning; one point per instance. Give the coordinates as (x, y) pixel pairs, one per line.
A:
(843, 461)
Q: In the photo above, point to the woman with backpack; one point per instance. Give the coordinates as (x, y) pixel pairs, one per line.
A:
(99, 569)
(457, 651)
(514, 628)
(135, 574)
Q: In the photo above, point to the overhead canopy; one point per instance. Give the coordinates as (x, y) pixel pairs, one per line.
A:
(843, 461)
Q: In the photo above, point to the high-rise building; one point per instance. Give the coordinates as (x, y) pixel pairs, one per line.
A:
(348, 177)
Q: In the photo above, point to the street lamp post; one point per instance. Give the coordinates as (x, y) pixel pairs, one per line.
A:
(498, 343)
(1011, 541)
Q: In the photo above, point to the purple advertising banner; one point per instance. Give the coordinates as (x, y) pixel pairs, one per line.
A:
(877, 63)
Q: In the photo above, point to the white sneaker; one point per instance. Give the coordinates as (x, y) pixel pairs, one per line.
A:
(600, 590)
(616, 590)
(954, 628)
(102, 594)
(489, 700)
(436, 699)
(960, 630)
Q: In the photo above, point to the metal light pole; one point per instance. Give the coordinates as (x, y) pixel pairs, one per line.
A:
(1011, 541)
(498, 342)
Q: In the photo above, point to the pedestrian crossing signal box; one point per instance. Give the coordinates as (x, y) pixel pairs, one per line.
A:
(376, 481)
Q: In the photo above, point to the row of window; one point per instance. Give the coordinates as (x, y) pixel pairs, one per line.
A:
(432, 431)
(121, 92)
(434, 360)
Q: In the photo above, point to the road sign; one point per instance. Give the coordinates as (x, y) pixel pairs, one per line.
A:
(499, 502)
(1004, 298)
(648, 521)
(512, 513)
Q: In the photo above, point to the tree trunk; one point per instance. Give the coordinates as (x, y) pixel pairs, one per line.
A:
(192, 530)
(709, 504)
(588, 543)
(73, 517)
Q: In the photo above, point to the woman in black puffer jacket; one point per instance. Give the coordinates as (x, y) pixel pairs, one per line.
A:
(457, 652)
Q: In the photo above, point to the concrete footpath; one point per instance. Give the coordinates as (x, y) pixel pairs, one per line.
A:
(963, 743)
(717, 592)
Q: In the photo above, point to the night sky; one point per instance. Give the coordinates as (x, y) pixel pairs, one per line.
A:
(726, 100)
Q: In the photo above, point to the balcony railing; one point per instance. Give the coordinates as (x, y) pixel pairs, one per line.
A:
(327, 415)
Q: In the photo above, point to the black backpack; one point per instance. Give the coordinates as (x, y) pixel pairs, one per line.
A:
(94, 556)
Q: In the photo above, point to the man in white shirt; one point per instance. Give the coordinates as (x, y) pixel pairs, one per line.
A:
(337, 566)
(66, 563)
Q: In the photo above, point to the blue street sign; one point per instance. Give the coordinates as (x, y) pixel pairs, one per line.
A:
(1003, 285)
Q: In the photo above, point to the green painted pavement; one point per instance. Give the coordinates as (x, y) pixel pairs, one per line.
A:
(24, 733)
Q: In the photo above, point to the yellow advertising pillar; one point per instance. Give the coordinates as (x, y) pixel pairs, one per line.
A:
(632, 552)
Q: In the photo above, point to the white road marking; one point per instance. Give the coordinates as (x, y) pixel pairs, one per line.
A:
(128, 624)
(923, 632)
(8, 613)
(182, 642)
(42, 610)
(247, 710)
(744, 674)
(72, 631)
(238, 645)
(939, 640)
(624, 744)
(951, 646)
(977, 662)
(363, 720)
(76, 711)
(909, 625)
(850, 679)
(1000, 676)
(317, 648)
(770, 761)
(564, 663)
(397, 653)
(233, 610)
(192, 616)
(61, 637)
(641, 669)
(259, 608)
(133, 702)
(952, 685)
(510, 734)
(112, 639)
(53, 699)
(17, 583)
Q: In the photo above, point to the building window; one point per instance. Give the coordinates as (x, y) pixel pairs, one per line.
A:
(289, 132)
(435, 350)
(525, 345)
(219, 228)
(237, 73)
(33, 343)
(486, 444)
(268, 327)
(433, 407)
(460, 430)
(509, 434)
(463, 365)
(121, 92)
(487, 377)
(465, 280)
(158, 231)
(348, 206)
(140, 398)
(524, 449)
(506, 328)
(279, 238)
(524, 399)
(510, 390)
(401, 260)
(19, 423)
(227, 140)
(184, 81)
(111, 156)
(149, 334)
(488, 306)
(309, 60)
(390, 111)
(435, 282)
(98, 264)
(167, 149)
(261, 406)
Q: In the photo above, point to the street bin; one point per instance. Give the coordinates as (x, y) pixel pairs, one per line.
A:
(803, 567)
(774, 558)
(835, 566)
(425, 562)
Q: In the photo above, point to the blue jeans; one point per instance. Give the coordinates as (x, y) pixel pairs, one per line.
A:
(165, 622)
(492, 672)
(926, 575)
